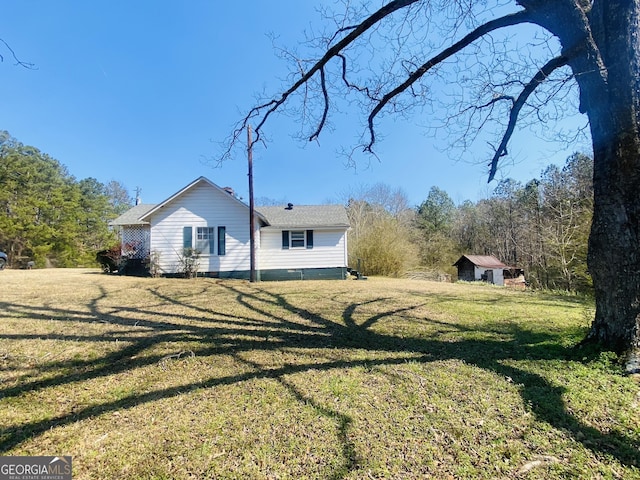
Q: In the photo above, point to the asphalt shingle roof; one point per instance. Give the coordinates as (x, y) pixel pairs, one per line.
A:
(299, 216)
(305, 216)
(132, 216)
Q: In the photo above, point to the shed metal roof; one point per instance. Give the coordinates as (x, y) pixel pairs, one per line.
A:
(484, 261)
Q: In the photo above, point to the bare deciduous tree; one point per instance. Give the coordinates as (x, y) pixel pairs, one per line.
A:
(381, 230)
(591, 44)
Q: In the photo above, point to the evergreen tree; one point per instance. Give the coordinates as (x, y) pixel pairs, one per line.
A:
(46, 215)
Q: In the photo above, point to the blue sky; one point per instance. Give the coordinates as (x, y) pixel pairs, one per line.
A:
(142, 91)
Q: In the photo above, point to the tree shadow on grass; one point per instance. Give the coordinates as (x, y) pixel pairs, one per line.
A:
(272, 322)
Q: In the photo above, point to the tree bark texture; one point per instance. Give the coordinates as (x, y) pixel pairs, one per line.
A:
(609, 80)
(600, 40)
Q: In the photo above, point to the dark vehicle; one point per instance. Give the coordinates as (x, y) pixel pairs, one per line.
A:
(3, 260)
(109, 260)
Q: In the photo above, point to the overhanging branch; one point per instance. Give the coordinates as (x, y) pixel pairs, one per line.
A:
(19, 62)
(506, 21)
(263, 111)
(529, 88)
(325, 110)
(332, 52)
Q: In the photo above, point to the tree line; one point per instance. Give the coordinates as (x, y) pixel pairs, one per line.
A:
(541, 226)
(52, 219)
(49, 217)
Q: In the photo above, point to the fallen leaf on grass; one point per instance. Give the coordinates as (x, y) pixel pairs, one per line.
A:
(536, 463)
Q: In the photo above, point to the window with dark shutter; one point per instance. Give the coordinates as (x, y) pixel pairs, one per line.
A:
(285, 239)
(204, 240)
(297, 238)
(309, 238)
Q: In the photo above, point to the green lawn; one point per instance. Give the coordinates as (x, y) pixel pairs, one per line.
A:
(168, 378)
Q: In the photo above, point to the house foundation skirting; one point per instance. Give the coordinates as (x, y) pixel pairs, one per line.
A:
(333, 273)
(336, 273)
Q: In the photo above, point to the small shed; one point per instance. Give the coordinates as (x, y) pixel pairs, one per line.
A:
(487, 268)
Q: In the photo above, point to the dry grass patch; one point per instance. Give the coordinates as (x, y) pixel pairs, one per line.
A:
(166, 378)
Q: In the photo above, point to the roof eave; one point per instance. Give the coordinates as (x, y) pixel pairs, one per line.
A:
(306, 227)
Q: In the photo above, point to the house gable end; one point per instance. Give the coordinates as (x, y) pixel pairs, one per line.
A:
(192, 186)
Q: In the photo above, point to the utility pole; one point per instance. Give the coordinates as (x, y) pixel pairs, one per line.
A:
(252, 240)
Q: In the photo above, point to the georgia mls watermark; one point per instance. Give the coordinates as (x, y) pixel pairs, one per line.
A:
(35, 468)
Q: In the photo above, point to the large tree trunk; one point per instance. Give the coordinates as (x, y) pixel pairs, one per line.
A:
(613, 105)
(614, 262)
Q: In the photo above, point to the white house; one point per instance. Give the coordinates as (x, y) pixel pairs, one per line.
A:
(292, 241)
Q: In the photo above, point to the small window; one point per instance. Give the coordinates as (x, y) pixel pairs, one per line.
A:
(205, 239)
(297, 239)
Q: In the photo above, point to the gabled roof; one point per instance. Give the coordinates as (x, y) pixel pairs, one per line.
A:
(281, 217)
(484, 261)
(305, 216)
(197, 181)
(132, 216)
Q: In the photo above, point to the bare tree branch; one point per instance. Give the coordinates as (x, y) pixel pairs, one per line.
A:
(325, 110)
(364, 90)
(19, 62)
(538, 78)
(355, 32)
(508, 20)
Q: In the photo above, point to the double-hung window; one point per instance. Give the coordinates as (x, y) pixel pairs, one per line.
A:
(297, 239)
(205, 239)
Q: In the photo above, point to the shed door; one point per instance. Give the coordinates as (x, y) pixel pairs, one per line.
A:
(489, 274)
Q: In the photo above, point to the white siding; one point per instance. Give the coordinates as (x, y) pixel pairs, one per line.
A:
(329, 250)
(478, 272)
(497, 275)
(202, 206)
